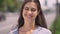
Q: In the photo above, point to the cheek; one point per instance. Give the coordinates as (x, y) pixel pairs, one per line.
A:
(24, 13)
(35, 14)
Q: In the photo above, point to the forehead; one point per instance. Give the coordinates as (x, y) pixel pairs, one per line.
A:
(31, 4)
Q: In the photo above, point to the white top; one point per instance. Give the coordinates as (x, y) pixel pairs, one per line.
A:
(39, 30)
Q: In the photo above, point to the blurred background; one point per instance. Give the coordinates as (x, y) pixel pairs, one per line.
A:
(9, 14)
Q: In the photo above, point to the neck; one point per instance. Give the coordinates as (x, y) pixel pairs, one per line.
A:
(28, 25)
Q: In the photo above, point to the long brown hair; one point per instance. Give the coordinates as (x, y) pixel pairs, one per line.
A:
(39, 21)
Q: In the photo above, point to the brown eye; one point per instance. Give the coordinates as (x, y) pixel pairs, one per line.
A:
(33, 9)
(26, 8)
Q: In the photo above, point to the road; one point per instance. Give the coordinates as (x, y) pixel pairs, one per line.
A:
(11, 22)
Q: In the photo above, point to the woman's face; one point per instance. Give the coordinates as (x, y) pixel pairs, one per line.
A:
(30, 11)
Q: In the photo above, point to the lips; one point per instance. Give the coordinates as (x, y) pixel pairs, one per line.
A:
(29, 16)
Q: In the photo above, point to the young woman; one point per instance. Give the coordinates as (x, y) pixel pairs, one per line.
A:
(31, 20)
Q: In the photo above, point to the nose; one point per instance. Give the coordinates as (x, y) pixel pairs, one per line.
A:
(29, 12)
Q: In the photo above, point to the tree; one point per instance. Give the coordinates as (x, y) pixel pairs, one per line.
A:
(1, 5)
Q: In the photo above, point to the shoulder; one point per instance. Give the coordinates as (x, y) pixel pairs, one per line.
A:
(44, 30)
(13, 31)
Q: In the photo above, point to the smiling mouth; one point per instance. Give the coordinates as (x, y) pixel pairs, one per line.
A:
(29, 16)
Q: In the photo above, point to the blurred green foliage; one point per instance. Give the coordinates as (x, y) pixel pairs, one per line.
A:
(11, 5)
(55, 28)
(1, 5)
(58, 25)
